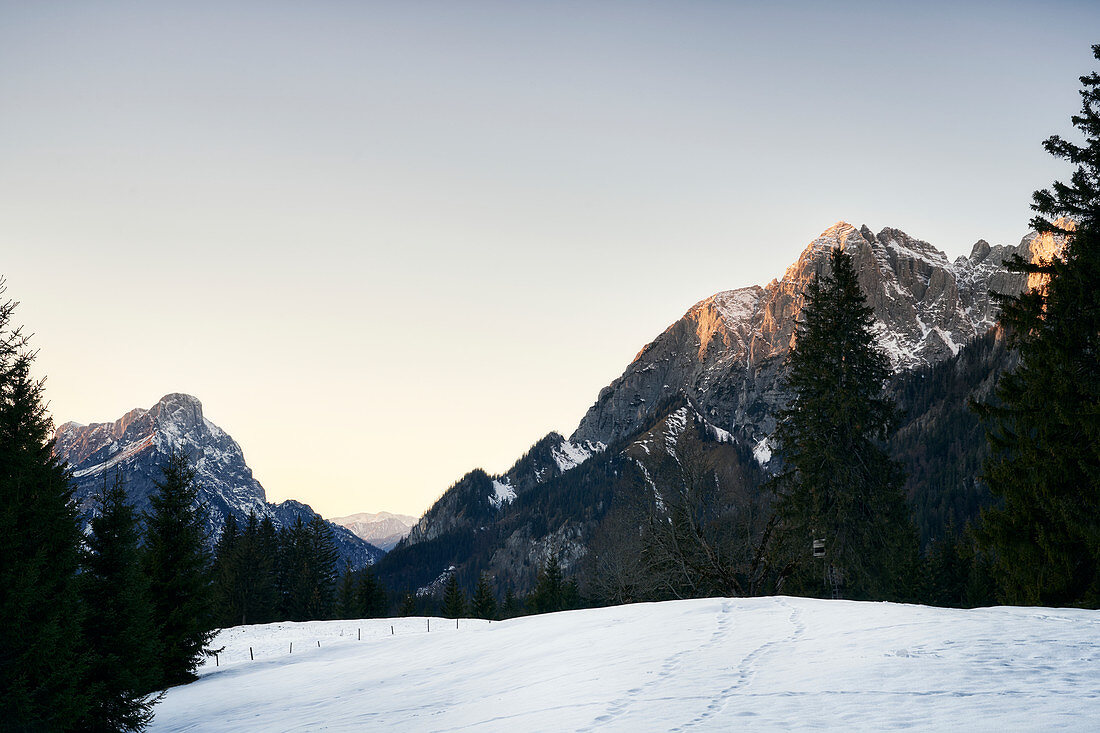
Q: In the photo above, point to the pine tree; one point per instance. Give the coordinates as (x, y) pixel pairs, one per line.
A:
(838, 483)
(322, 557)
(485, 603)
(549, 593)
(244, 573)
(511, 607)
(347, 603)
(1045, 427)
(41, 660)
(371, 595)
(454, 600)
(294, 585)
(225, 573)
(267, 549)
(408, 605)
(177, 565)
(118, 625)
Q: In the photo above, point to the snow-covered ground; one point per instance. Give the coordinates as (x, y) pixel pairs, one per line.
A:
(714, 664)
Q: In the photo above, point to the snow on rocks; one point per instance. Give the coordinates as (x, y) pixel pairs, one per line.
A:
(570, 455)
(762, 452)
(713, 664)
(502, 494)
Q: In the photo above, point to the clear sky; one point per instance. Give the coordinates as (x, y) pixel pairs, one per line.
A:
(386, 243)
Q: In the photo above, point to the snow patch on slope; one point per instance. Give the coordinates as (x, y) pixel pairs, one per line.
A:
(570, 455)
(502, 494)
(762, 452)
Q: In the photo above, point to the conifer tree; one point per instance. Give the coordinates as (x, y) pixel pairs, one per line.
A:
(549, 593)
(1045, 427)
(347, 604)
(485, 603)
(244, 574)
(321, 559)
(177, 565)
(838, 484)
(41, 660)
(454, 600)
(258, 569)
(224, 572)
(267, 548)
(293, 574)
(370, 594)
(118, 625)
(511, 606)
(408, 605)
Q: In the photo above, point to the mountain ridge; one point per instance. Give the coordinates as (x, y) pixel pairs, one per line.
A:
(724, 360)
(726, 350)
(136, 445)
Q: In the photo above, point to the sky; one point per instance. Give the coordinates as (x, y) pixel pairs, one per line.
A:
(387, 243)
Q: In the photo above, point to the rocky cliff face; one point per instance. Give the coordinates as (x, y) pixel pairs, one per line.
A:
(716, 370)
(137, 443)
(726, 351)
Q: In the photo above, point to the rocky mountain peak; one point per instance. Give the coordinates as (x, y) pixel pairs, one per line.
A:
(726, 352)
(137, 443)
(179, 409)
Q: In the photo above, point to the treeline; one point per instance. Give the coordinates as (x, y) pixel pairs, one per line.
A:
(94, 624)
(262, 574)
(552, 591)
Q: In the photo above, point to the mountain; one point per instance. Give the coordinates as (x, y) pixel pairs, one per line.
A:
(718, 368)
(382, 529)
(508, 525)
(727, 350)
(137, 443)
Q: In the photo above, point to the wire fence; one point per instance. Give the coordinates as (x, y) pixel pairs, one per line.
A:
(265, 642)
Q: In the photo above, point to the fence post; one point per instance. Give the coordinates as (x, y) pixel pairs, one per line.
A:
(456, 623)
(216, 663)
(391, 630)
(318, 643)
(360, 634)
(292, 647)
(250, 654)
(429, 625)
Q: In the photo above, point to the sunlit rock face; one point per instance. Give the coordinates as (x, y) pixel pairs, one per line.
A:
(727, 351)
(137, 444)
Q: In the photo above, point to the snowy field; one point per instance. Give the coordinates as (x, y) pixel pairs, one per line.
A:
(715, 664)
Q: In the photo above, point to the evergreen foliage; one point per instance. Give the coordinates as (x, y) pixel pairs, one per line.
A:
(454, 600)
(41, 658)
(244, 573)
(177, 565)
(118, 627)
(370, 595)
(838, 483)
(553, 592)
(307, 570)
(485, 603)
(941, 442)
(408, 605)
(347, 605)
(1045, 427)
(511, 606)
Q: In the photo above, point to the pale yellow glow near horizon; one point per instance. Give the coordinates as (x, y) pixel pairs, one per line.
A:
(387, 243)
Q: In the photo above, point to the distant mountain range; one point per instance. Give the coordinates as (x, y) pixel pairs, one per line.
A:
(381, 529)
(137, 443)
(719, 368)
